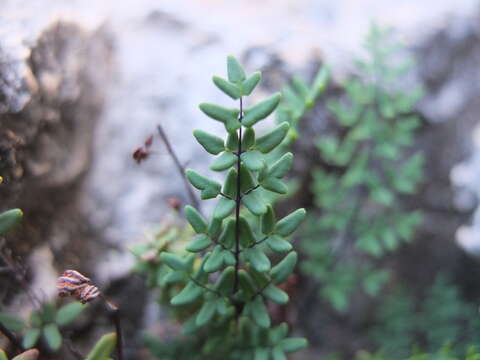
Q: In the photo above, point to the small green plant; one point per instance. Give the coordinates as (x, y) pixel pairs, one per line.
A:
(368, 166)
(441, 319)
(224, 278)
(43, 323)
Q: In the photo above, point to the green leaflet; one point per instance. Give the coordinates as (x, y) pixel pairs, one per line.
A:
(189, 294)
(104, 347)
(225, 282)
(246, 283)
(284, 268)
(254, 203)
(257, 259)
(259, 312)
(195, 219)
(215, 261)
(52, 336)
(290, 223)
(230, 185)
(206, 313)
(275, 294)
(224, 208)
(251, 82)
(209, 188)
(223, 162)
(211, 143)
(248, 140)
(11, 322)
(253, 160)
(232, 141)
(280, 168)
(247, 237)
(8, 220)
(261, 110)
(227, 116)
(68, 313)
(269, 141)
(173, 261)
(275, 185)
(227, 238)
(199, 243)
(3, 356)
(234, 70)
(268, 220)
(31, 337)
(227, 87)
(293, 344)
(278, 244)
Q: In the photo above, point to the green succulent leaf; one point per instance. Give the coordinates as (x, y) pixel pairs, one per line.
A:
(104, 347)
(211, 143)
(68, 313)
(227, 87)
(247, 237)
(284, 268)
(261, 110)
(235, 71)
(8, 220)
(223, 162)
(269, 141)
(209, 188)
(227, 116)
(275, 185)
(278, 244)
(206, 313)
(248, 140)
(254, 203)
(293, 344)
(173, 261)
(251, 82)
(268, 220)
(290, 223)
(275, 294)
(215, 260)
(196, 220)
(189, 294)
(52, 336)
(199, 243)
(224, 208)
(258, 259)
(259, 312)
(30, 338)
(280, 168)
(11, 322)
(253, 160)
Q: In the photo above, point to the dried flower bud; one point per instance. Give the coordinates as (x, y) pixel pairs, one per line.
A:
(140, 155)
(72, 283)
(174, 203)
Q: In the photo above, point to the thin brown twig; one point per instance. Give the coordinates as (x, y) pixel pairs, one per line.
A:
(116, 318)
(179, 166)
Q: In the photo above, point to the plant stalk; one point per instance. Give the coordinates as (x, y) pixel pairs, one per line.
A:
(115, 313)
(238, 199)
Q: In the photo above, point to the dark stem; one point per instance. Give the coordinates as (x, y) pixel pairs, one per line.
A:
(115, 313)
(238, 203)
(179, 166)
(13, 339)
